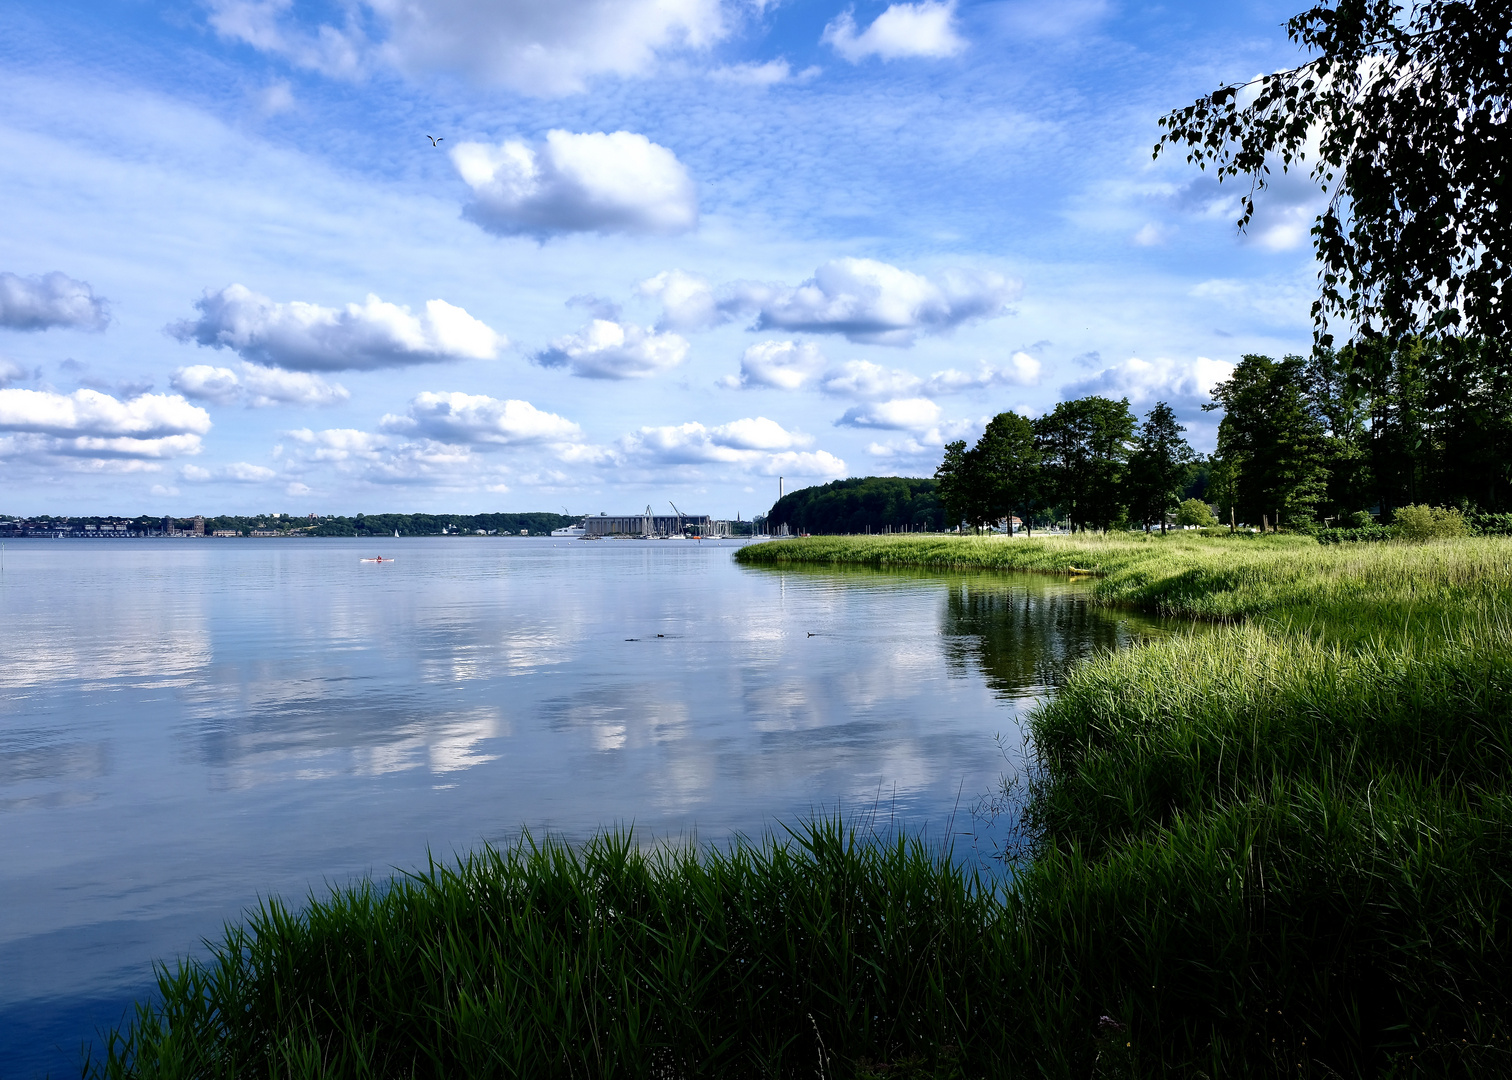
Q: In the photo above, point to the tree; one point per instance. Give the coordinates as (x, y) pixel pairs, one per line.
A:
(1340, 405)
(861, 504)
(1271, 439)
(1009, 464)
(1195, 512)
(1404, 107)
(1084, 445)
(1159, 466)
(953, 483)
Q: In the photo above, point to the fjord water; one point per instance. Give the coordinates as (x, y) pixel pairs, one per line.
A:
(186, 726)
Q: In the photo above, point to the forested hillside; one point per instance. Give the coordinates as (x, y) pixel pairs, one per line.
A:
(861, 504)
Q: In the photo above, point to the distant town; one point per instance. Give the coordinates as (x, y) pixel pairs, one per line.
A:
(282, 525)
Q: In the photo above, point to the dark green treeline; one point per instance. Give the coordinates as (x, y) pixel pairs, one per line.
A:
(1087, 461)
(1343, 436)
(860, 505)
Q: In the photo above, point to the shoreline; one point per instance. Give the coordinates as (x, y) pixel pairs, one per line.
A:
(1264, 850)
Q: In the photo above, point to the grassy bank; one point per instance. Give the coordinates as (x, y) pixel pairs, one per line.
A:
(1355, 589)
(1282, 847)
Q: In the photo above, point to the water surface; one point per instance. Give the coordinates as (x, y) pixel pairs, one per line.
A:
(188, 725)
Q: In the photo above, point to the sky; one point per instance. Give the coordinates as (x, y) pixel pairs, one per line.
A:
(593, 255)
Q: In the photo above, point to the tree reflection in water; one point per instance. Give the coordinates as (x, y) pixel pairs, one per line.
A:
(1023, 634)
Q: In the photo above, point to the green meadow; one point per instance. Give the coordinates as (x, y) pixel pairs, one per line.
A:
(1278, 847)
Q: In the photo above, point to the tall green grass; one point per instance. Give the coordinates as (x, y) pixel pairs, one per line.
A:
(820, 952)
(1279, 847)
(1204, 578)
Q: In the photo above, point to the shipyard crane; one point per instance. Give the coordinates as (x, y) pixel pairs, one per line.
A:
(679, 514)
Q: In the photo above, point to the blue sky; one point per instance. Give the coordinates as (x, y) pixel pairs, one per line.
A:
(665, 249)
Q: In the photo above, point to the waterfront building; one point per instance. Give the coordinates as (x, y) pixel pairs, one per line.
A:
(658, 525)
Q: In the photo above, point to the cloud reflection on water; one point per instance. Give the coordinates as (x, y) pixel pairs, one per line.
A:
(191, 725)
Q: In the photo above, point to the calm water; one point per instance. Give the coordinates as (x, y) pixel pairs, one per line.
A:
(188, 725)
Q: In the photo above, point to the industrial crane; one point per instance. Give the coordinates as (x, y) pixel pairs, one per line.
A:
(679, 514)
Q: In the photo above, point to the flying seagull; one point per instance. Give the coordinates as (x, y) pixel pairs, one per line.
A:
(435, 140)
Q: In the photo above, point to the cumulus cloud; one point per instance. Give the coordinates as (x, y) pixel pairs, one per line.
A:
(610, 350)
(1181, 382)
(925, 29)
(867, 301)
(257, 386)
(921, 449)
(297, 336)
(1020, 370)
(781, 365)
(339, 444)
(754, 444)
(11, 372)
(899, 414)
(545, 47)
(90, 424)
(238, 472)
(868, 381)
(538, 47)
(384, 459)
(51, 300)
(477, 418)
(876, 303)
(687, 300)
(617, 182)
(89, 412)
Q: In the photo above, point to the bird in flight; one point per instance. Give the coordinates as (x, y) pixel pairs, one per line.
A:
(435, 141)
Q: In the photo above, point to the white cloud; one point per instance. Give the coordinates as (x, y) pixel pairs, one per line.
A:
(51, 300)
(1144, 382)
(922, 449)
(328, 50)
(867, 301)
(753, 445)
(477, 418)
(901, 414)
(617, 182)
(903, 30)
(768, 74)
(782, 365)
(687, 301)
(276, 97)
(1020, 370)
(296, 489)
(89, 413)
(868, 381)
(757, 433)
(874, 302)
(245, 473)
(537, 47)
(545, 47)
(609, 350)
(11, 372)
(339, 444)
(101, 433)
(298, 336)
(238, 472)
(258, 386)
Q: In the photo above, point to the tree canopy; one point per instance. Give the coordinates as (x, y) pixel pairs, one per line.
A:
(1403, 112)
(861, 504)
(1085, 445)
(1159, 467)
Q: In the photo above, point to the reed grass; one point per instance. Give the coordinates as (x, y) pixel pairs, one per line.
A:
(821, 951)
(1279, 847)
